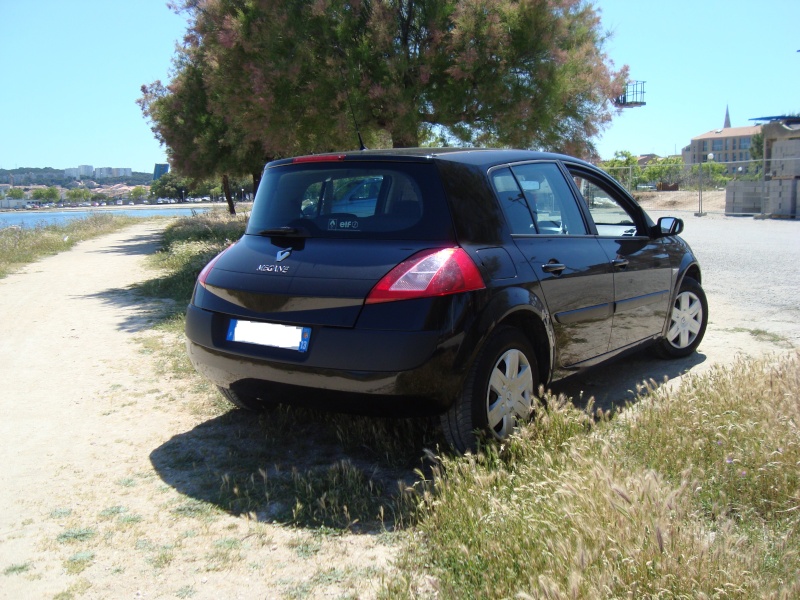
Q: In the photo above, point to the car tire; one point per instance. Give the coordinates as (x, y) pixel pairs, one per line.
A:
(498, 392)
(687, 321)
(246, 401)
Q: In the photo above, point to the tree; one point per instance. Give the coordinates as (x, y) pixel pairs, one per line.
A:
(200, 142)
(624, 167)
(78, 194)
(710, 174)
(279, 78)
(49, 194)
(171, 185)
(138, 192)
(667, 171)
(15, 193)
(757, 146)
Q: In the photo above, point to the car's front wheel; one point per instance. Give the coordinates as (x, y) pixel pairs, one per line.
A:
(498, 392)
(687, 323)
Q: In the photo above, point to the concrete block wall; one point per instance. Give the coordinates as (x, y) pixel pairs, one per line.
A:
(785, 159)
(782, 198)
(744, 197)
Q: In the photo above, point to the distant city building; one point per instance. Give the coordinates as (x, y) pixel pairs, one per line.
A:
(161, 169)
(101, 173)
(729, 146)
(778, 193)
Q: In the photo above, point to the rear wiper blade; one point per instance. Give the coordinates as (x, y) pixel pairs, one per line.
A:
(285, 231)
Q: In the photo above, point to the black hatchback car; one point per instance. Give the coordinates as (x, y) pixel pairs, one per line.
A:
(446, 281)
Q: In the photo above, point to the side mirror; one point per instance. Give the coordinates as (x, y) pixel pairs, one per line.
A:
(669, 226)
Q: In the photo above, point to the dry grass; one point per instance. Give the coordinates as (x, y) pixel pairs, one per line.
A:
(22, 245)
(691, 493)
(188, 244)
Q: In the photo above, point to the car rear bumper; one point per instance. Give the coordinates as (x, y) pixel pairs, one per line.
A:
(372, 366)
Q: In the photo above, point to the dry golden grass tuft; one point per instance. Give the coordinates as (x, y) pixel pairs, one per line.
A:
(692, 493)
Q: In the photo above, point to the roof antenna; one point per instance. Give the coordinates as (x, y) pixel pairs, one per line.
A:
(349, 104)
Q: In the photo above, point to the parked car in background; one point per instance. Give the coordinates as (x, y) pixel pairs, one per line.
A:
(447, 281)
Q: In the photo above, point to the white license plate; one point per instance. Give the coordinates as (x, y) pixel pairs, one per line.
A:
(269, 334)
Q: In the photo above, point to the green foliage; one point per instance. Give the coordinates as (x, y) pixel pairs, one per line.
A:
(200, 142)
(171, 185)
(138, 192)
(16, 193)
(17, 568)
(710, 175)
(669, 170)
(76, 534)
(757, 146)
(498, 73)
(49, 194)
(78, 194)
(624, 167)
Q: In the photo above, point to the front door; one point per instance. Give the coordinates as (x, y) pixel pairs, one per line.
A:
(642, 270)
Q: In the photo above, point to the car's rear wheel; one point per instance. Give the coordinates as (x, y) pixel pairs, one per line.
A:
(498, 392)
(246, 401)
(687, 323)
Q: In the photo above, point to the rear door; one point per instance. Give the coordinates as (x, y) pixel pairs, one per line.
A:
(548, 227)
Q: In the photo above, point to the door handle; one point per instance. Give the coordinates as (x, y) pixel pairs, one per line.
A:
(553, 267)
(620, 263)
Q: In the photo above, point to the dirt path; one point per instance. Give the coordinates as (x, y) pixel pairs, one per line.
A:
(97, 499)
(85, 514)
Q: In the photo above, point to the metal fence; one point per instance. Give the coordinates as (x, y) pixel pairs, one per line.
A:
(765, 187)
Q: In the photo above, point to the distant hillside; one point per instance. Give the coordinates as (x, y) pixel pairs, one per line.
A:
(49, 176)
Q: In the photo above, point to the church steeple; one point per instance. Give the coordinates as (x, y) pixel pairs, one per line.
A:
(727, 124)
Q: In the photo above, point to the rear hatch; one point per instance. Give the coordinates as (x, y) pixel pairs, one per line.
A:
(322, 233)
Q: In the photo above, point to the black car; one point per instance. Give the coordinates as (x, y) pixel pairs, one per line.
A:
(459, 281)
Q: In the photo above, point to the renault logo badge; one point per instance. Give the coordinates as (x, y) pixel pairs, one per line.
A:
(283, 254)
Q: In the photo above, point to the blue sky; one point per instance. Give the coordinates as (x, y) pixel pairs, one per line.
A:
(72, 72)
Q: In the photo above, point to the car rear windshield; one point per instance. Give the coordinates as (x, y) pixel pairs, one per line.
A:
(353, 199)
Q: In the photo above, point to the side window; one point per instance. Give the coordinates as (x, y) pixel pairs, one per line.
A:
(550, 199)
(513, 202)
(611, 217)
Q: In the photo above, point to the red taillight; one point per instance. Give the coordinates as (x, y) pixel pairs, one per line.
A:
(201, 279)
(435, 272)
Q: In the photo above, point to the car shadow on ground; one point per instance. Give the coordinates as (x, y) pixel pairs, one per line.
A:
(617, 383)
(135, 313)
(303, 468)
(298, 467)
